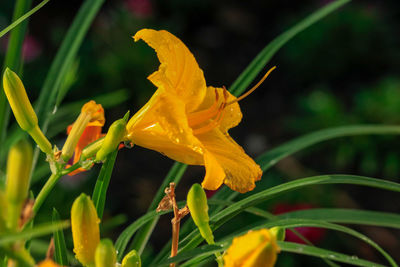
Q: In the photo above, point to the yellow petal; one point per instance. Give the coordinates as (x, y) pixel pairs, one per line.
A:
(162, 125)
(215, 174)
(240, 171)
(48, 263)
(179, 72)
(253, 249)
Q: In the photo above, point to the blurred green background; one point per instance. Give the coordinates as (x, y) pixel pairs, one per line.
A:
(343, 70)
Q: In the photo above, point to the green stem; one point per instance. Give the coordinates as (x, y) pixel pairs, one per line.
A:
(46, 189)
(41, 140)
(219, 259)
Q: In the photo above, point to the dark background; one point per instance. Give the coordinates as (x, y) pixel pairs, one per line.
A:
(343, 70)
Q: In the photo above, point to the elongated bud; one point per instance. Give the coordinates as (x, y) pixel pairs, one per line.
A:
(48, 263)
(23, 110)
(19, 101)
(91, 150)
(253, 249)
(132, 259)
(197, 203)
(114, 136)
(19, 164)
(91, 114)
(105, 255)
(278, 232)
(85, 229)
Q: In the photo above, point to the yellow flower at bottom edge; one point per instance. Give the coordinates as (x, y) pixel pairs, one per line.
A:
(188, 121)
(48, 263)
(254, 249)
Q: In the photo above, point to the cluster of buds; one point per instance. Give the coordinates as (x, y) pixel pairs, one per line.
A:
(88, 248)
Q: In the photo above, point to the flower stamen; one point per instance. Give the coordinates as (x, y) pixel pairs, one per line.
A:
(218, 118)
(253, 88)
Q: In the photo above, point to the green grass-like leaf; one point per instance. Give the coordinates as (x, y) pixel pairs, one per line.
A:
(326, 254)
(30, 233)
(60, 248)
(124, 238)
(349, 216)
(261, 60)
(63, 60)
(103, 180)
(23, 17)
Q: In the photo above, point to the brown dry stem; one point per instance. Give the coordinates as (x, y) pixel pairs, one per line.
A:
(167, 203)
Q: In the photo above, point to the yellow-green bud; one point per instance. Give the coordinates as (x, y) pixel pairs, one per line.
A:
(23, 110)
(19, 164)
(132, 259)
(114, 136)
(91, 149)
(85, 229)
(19, 101)
(197, 203)
(278, 232)
(105, 255)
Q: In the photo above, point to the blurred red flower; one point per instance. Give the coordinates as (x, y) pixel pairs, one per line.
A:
(313, 234)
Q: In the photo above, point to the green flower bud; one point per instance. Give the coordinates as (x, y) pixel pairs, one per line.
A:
(91, 149)
(114, 136)
(278, 232)
(132, 259)
(105, 255)
(23, 110)
(19, 164)
(19, 101)
(197, 203)
(85, 229)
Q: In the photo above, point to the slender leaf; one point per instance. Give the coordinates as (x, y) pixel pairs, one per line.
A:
(349, 216)
(63, 59)
(29, 233)
(259, 62)
(60, 248)
(126, 235)
(103, 180)
(23, 17)
(271, 157)
(327, 254)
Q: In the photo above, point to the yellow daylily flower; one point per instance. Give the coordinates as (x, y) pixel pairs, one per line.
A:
(48, 263)
(189, 121)
(253, 249)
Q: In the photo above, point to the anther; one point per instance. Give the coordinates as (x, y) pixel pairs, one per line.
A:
(254, 87)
